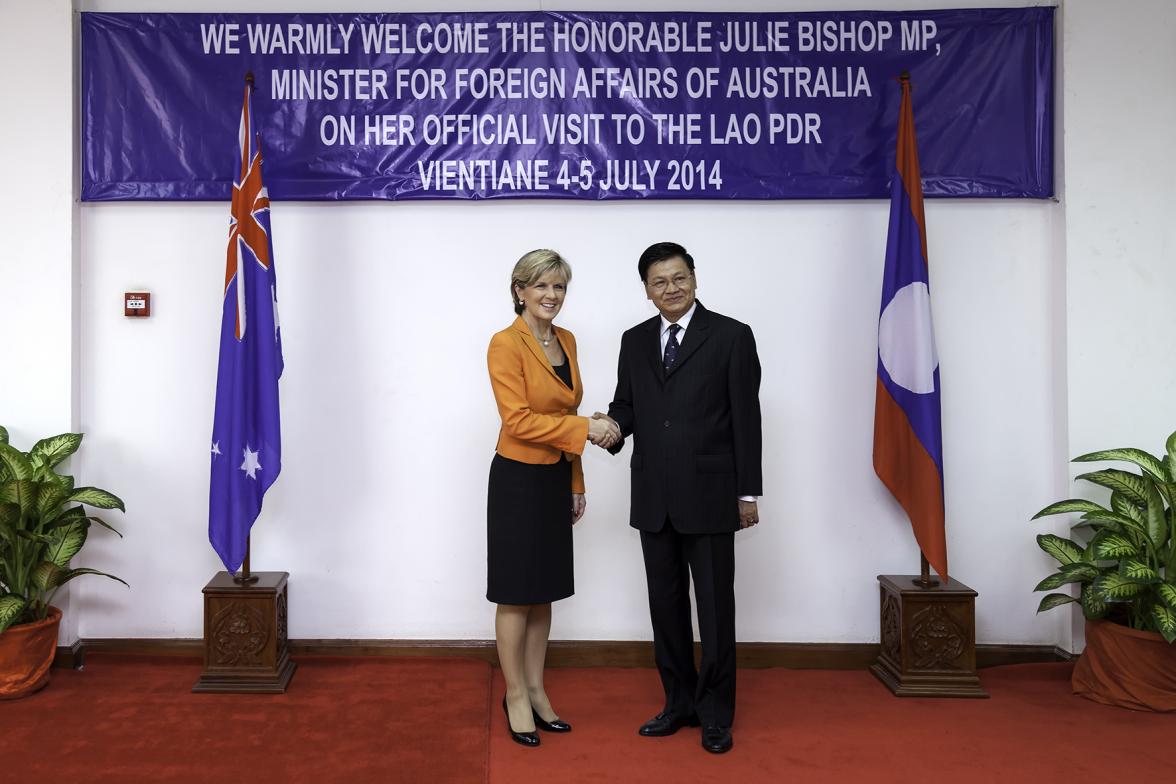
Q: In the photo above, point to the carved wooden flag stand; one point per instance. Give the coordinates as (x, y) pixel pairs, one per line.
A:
(245, 633)
(928, 637)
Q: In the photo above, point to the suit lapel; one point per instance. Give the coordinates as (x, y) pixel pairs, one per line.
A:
(533, 344)
(696, 335)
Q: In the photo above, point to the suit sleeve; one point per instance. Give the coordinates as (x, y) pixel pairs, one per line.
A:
(577, 475)
(621, 407)
(566, 433)
(743, 382)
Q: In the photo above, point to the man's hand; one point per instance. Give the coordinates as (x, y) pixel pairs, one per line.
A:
(579, 504)
(603, 430)
(748, 513)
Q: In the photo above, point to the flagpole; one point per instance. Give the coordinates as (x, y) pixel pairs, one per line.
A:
(246, 576)
(925, 580)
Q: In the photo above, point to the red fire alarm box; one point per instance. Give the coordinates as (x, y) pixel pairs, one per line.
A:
(137, 304)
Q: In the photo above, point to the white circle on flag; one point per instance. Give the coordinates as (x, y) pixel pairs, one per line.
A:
(906, 340)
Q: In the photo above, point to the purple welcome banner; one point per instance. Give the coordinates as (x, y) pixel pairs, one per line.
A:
(568, 105)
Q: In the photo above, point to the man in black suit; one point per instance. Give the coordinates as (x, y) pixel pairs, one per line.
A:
(688, 391)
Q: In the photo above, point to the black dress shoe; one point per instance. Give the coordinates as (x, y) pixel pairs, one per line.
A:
(524, 738)
(717, 740)
(667, 724)
(556, 725)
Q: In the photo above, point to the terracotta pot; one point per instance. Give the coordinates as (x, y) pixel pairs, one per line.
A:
(1126, 667)
(26, 653)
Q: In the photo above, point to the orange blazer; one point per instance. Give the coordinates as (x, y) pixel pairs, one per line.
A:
(539, 421)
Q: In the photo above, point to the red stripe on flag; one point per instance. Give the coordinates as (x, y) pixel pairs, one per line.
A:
(908, 471)
(907, 161)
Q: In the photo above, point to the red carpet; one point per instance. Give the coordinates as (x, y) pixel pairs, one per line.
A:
(132, 719)
(839, 726)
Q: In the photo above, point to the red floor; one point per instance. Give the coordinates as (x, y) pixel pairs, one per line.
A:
(132, 719)
(839, 726)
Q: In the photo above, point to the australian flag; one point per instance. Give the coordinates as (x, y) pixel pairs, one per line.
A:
(246, 432)
(908, 437)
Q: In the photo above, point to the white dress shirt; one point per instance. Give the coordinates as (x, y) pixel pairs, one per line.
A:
(684, 324)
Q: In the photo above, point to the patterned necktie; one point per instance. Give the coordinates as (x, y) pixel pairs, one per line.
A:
(671, 348)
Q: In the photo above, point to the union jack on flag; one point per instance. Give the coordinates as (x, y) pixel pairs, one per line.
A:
(246, 432)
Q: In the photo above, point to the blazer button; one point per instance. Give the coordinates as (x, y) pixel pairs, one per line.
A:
(666, 423)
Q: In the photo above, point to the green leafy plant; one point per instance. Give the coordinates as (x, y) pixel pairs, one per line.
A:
(1123, 557)
(43, 525)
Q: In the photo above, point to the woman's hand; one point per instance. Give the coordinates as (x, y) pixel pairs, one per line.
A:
(579, 504)
(602, 431)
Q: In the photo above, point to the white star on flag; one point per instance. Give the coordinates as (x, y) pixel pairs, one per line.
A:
(216, 447)
(250, 466)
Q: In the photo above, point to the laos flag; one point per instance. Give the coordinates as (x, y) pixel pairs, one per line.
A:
(246, 436)
(908, 439)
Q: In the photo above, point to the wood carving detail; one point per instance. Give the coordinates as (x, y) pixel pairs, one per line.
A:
(239, 635)
(281, 623)
(891, 632)
(937, 640)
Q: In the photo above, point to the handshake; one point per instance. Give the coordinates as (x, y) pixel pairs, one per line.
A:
(603, 430)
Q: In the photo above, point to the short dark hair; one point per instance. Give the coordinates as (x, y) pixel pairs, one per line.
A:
(662, 251)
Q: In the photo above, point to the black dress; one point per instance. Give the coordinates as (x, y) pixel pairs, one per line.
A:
(529, 528)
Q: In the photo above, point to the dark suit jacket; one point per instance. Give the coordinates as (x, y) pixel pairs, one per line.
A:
(696, 429)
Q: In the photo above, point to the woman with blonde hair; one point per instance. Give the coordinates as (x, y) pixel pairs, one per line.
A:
(536, 489)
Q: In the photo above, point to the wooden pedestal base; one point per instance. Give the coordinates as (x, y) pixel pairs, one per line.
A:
(928, 639)
(245, 648)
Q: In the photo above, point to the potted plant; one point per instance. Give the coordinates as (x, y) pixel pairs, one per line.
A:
(42, 527)
(1123, 558)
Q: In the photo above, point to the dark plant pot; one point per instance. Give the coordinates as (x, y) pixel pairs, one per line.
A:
(26, 653)
(1127, 668)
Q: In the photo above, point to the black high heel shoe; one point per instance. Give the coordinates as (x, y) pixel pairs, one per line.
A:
(559, 725)
(529, 739)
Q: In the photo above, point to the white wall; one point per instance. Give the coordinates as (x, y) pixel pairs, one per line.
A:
(389, 422)
(36, 202)
(38, 218)
(1121, 280)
